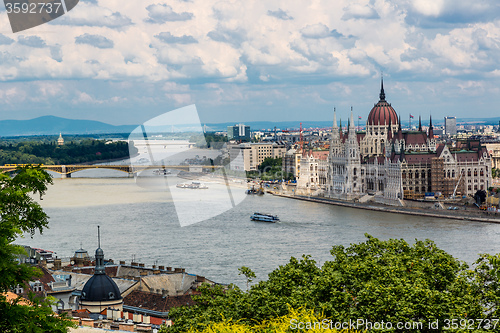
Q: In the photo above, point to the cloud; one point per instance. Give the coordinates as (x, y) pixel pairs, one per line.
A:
(94, 18)
(357, 11)
(234, 37)
(432, 14)
(280, 13)
(161, 13)
(4, 40)
(32, 41)
(318, 30)
(98, 41)
(168, 38)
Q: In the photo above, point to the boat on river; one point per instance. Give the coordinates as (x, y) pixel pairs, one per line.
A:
(193, 185)
(260, 217)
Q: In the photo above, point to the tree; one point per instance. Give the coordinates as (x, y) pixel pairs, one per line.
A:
(249, 274)
(395, 282)
(375, 280)
(487, 284)
(20, 213)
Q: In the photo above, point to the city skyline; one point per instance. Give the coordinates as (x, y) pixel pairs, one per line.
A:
(124, 63)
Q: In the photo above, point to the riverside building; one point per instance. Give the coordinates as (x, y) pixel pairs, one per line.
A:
(391, 164)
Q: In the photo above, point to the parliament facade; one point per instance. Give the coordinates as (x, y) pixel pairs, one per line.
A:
(393, 164)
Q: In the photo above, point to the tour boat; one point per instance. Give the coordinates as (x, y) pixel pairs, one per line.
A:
(264, 217)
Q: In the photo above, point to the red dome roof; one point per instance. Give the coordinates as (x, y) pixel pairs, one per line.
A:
(381, 113)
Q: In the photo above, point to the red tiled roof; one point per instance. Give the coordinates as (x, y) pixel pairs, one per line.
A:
(468, 156)
(419, 158)
(415, 138)
(156, 302)
(320, 154)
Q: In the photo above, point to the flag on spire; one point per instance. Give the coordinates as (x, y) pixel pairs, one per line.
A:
(359, 117)
(411, 116)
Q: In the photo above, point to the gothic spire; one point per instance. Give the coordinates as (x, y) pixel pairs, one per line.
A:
(382, 93)
(402, 152)
(431, 129)
(419, 124)
(334, 118)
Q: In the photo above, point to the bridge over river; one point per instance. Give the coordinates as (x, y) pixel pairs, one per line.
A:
(67, 170)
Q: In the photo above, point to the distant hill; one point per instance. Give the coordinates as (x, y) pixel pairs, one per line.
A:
(51, 125)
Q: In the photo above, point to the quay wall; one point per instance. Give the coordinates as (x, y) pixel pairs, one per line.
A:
(411, 208)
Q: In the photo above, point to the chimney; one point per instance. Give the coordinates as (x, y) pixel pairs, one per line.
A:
(57, 264)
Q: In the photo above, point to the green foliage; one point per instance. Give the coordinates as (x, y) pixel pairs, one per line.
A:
(36, 318)
(81, 151)
(291, 322)
(271, 164)
(249, 274)
(487, 284)
(208, 140)
(495, 173)
(270, 169)
(19, 213)
(393, 281)
(376, 280)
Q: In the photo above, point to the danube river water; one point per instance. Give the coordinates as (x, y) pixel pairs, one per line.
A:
(141, 223)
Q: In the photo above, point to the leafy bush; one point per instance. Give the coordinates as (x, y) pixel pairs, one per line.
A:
(378, 281)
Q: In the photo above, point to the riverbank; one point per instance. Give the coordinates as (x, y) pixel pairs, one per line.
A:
(446, 214)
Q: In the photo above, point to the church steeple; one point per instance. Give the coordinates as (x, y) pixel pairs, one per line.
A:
(419, 124)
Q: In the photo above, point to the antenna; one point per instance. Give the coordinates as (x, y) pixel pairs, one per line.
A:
(98, 237)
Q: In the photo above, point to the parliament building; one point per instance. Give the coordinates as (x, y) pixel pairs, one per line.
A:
(393, 164)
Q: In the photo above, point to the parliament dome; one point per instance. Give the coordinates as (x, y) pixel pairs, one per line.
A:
(382, 113)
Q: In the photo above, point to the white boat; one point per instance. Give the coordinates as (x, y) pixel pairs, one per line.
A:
(264, 217)
(160, 172)
(193, 185)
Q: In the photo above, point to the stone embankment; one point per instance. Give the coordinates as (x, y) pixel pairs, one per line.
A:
(418, 209)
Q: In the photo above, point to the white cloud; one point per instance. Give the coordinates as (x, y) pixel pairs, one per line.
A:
(429, 7)
(161, 13)
(90, 14)
(318, 30)
(95, 40)
(183, 45)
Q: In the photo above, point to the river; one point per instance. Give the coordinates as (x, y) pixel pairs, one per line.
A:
(141, 223)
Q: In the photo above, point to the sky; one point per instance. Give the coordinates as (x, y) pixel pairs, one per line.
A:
(124, 62)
